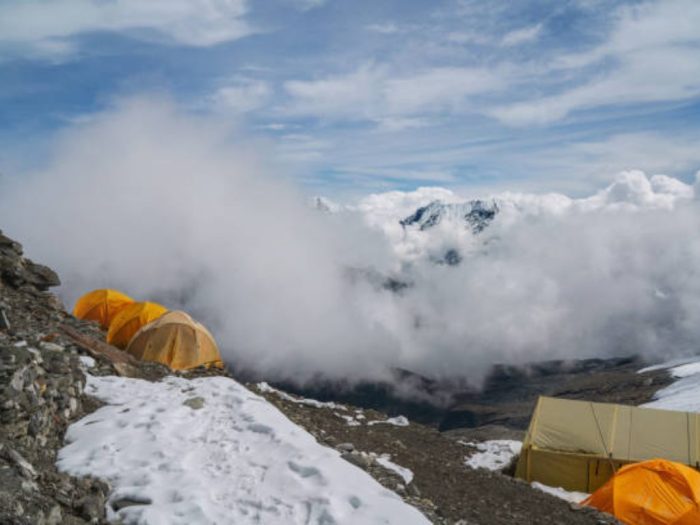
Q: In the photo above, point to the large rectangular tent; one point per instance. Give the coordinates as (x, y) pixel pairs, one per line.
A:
(577, 445)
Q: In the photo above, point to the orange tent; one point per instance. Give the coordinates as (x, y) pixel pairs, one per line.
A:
(101, 306)
(130, 320)
(654, 492)
(176, 340)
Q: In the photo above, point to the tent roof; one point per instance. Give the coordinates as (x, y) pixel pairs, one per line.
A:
(178, 317)
(130, 319)
(101, 305)
(619, 432)
(654, 492)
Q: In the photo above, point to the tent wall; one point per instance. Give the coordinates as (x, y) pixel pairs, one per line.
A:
(569, 471)
(575, 444)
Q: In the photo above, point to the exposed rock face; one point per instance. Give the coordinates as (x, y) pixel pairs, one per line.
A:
(16, 270)
(41, 392)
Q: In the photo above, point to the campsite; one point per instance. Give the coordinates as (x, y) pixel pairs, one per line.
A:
(349, 262)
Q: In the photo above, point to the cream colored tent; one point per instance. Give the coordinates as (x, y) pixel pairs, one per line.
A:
(176, 340)
(578, 444)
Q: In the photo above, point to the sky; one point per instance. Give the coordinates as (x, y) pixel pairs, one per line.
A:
(169, 149)
(361, 96)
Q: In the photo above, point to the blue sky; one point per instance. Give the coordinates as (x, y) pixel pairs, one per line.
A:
(358, 96)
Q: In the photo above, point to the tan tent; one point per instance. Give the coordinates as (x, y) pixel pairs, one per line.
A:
(577, 445)
(176, 340)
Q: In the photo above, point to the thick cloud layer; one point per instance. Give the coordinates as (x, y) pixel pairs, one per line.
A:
(163, 206)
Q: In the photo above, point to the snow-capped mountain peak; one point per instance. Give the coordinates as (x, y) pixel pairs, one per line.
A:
(475, 214)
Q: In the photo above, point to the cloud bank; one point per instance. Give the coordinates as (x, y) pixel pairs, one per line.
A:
(175, 208)
(45, 28)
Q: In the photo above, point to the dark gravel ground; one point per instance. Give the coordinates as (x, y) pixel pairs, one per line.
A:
(443, 487)
(510, 393)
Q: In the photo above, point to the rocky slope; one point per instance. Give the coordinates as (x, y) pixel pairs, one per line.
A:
(41, 393)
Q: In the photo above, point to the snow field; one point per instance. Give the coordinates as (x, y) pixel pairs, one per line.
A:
(684, 393)
(227, 456)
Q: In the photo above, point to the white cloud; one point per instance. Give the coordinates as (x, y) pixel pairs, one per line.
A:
(467, 37)
(43, 24)
(650, 56)
(403, 174)
(522, 36)
(388, 28)
(207, 229)
(609, 274)
(301, 148)
(179, 214)
(392, 124)
(594, 160)
(243, 95)
(274, 126)
(373, 93)
(438, 88)
(306, 5)
(634, 190)
(354, 95)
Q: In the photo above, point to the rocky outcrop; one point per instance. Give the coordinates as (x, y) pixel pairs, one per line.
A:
(41, 392)
(17, 271)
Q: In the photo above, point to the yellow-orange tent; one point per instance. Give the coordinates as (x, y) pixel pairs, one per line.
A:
(101, 306)
(654, 492)
(176, 340)
(130, 320)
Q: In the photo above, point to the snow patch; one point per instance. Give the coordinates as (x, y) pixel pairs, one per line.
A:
(495, 454)
(683, 394)
(87, 361)
(570, 496)
(264, 387)
(349, 420)
(237, 459)
(668, 364)
(398, 421)
(686, 370)
(385, 461)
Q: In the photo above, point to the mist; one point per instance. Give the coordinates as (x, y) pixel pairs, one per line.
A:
(180, 209)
